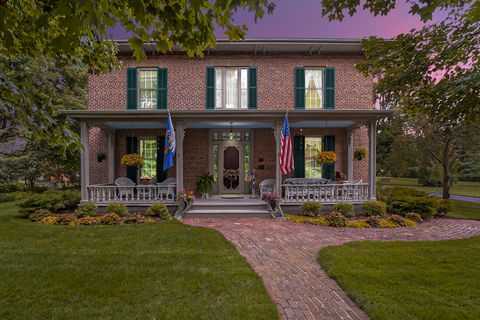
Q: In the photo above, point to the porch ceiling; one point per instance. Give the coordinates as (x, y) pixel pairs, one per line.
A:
(157, 118)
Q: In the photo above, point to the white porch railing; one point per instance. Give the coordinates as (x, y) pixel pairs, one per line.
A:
(328, 193)
(131, 194)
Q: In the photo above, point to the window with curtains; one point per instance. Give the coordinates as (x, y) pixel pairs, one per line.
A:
(313, 145)
(231, 88)
(148, 150)
(147, 88)
(313, 88)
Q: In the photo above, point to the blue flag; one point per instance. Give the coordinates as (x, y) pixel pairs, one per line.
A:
(170, 143)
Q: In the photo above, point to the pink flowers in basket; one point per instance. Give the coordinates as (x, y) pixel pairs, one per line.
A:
(271, 198)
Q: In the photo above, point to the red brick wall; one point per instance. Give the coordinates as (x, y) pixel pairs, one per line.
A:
(264, 148)
(98, 144)
(195, 156)
(186, 80)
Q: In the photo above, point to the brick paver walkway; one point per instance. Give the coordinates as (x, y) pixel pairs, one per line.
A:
(284, 255)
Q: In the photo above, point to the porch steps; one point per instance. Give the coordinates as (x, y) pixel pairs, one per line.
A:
(228, 208)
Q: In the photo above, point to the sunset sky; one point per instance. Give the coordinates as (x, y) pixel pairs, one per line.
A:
(302, 19)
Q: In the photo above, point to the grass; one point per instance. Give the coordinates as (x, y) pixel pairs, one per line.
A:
(409, 280)
(464, 210)
(152, 271)
(460, 188)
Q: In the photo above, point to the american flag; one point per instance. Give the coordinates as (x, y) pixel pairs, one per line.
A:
(286, 154)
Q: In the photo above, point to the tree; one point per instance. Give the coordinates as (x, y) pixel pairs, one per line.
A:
(77, 32)
(431, 75)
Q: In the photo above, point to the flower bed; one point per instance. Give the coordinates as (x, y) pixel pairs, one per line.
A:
(86, 214)
(336, 219)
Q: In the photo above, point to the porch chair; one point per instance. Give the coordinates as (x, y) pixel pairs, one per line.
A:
(167, 189)
(267, 185)
(126, 190)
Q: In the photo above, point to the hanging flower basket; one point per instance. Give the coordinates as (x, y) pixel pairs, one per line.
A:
(131, 160)
(326, 157)
(359, 154)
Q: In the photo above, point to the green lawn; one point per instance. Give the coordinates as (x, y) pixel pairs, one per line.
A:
(464, 210)
(152, 271)
(409, 280)
(461, 188)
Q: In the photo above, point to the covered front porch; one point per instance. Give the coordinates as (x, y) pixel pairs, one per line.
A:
(213, 142)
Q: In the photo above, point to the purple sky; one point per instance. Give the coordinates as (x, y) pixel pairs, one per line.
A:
(302, 19)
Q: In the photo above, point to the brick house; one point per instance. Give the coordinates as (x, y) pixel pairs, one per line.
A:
(227, 109)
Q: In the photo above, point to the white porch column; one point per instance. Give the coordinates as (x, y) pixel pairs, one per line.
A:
(84, 160)
(179, 135)
(350, 154)
(278, 173)
(111, 155)
(372, 159)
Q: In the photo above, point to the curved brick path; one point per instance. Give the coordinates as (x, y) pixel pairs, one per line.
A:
(283, 254)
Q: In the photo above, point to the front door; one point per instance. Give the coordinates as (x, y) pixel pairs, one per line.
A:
(231, 175)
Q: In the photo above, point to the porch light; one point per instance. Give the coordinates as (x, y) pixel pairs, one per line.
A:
(230, 135)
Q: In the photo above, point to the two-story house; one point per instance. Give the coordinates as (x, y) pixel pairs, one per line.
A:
(227, 109)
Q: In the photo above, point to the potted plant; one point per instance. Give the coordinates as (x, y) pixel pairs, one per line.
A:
(205, 184)
(326, 157)
(272, 199)
(184, 200)
(145, 179)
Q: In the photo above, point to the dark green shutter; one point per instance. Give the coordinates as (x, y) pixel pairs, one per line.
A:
(162, 85)
(299, 156)
(131, 88)
(329, 168)
(210, 88)
(161, 175)
(252, 88)
(132, 147)
(299, 88)
(329, 91)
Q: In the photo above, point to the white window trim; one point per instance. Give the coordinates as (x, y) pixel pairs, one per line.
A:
(323, 86)
(224, 88)
(139, 90)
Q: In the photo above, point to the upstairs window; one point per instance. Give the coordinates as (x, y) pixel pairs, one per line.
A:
(147, 88)
(231, 88)
(313, 88)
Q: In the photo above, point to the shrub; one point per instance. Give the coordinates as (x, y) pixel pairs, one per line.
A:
(54, 201)
(336, 219)
(374, 207)
(344, 208)
(373, 221)
(87, 209)
(49, 220)
(385, 223)
(118, 208)
(159, 210)
(89, 220)
(404, 200)
(398, 220)
(414, 217)
(66, 219)
(39, 214)
(9, 187)
(5, 197)
(110, 218)
(134, 218)
(312, 208)
(319, 221)
(410, 223)
(361, 224)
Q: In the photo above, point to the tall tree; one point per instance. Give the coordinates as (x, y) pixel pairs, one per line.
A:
(431, 74)
(76, 32)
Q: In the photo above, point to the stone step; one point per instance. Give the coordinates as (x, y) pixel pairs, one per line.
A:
(229, 208)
